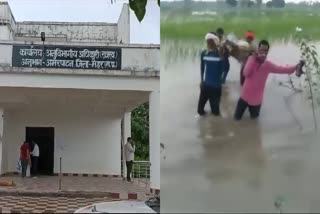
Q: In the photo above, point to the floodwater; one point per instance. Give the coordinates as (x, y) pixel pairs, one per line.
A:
(215, 164)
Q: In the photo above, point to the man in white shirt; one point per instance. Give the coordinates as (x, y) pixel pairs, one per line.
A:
(35, 158)
(129, 153)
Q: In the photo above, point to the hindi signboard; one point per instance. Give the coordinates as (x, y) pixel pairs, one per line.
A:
(38, 56)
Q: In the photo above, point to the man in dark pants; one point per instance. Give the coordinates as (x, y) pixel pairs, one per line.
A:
(256, 72)
(212, 70)
(129, 152)
(24, 158)
(242, 105)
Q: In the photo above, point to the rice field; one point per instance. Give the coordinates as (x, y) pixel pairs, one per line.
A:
(267, 24)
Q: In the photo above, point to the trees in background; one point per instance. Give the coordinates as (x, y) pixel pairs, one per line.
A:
(140, 131)
(232, 3)
(257, 3)
(278, 3)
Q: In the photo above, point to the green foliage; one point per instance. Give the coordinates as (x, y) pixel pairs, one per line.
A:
(139, 7)
(271, 24)
(269, 4)
(278, 3)
(140, 131)
(232, 3)
(311, 70)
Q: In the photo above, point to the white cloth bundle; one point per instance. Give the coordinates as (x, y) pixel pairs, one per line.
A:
(243, 44)
(213, 37)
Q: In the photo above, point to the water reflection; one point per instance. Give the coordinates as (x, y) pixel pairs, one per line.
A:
(219, 165)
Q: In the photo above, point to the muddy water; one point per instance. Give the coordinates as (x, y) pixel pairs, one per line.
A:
(215, 164)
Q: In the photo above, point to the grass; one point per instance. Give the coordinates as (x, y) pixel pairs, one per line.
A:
(266, 24)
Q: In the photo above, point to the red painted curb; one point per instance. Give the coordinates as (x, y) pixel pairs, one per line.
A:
(132, 196)
(115, 195)
(70, 175)
(154, 191)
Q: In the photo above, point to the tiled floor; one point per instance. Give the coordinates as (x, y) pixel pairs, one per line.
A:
(13, 204)
(84, 184)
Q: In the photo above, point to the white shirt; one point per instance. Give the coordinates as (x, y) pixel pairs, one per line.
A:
(129, 152)
(35, 152)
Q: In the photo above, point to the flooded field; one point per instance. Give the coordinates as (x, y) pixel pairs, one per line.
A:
(215, 164)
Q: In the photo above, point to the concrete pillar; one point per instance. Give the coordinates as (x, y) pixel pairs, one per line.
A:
(1, 139)
(126, 133)
(154, 138)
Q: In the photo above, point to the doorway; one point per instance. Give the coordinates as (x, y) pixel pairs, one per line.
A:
(44, 138)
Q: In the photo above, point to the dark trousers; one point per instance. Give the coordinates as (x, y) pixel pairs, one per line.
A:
(225, 74)
(213, 95)
(242, 78)
(129, 169)
(242, 106)
(34, 166)
(24, 166)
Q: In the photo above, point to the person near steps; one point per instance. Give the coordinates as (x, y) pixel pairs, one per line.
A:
(129, 152)
(256, 72)
(25, 158)
(212, 70)
(35, 159)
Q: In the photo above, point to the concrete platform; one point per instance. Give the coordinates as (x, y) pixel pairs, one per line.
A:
(86, 187)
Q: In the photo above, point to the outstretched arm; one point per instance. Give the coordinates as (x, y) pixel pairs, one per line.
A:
(273, 68)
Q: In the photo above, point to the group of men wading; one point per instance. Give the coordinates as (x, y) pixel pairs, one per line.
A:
(255, 68)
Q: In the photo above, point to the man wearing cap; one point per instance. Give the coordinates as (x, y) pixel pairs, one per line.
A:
(212, 70)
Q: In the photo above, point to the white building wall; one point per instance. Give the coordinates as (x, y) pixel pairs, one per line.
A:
(154, 138)
(5, 54)
(124, 25)
(4, 32)
(87, 141)
(141, 59)
(84, 32)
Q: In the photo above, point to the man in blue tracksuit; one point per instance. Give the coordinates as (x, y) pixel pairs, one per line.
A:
(212, 73)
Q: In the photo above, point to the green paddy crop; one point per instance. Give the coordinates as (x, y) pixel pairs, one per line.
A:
(267, 24)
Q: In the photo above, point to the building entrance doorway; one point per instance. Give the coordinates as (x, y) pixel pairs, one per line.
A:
(44, 138)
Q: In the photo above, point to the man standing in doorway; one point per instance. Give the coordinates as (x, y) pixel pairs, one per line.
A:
(129, 152)
(35, 159)
(25, 158)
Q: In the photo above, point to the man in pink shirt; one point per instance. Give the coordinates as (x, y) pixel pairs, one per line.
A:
(256, 72)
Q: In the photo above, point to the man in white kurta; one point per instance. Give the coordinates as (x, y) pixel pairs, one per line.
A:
(129, 153)
(35, 159)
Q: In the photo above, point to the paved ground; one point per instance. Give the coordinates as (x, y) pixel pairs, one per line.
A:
(219, 165)
(45, 204)
(85, 184)
(77, 192)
